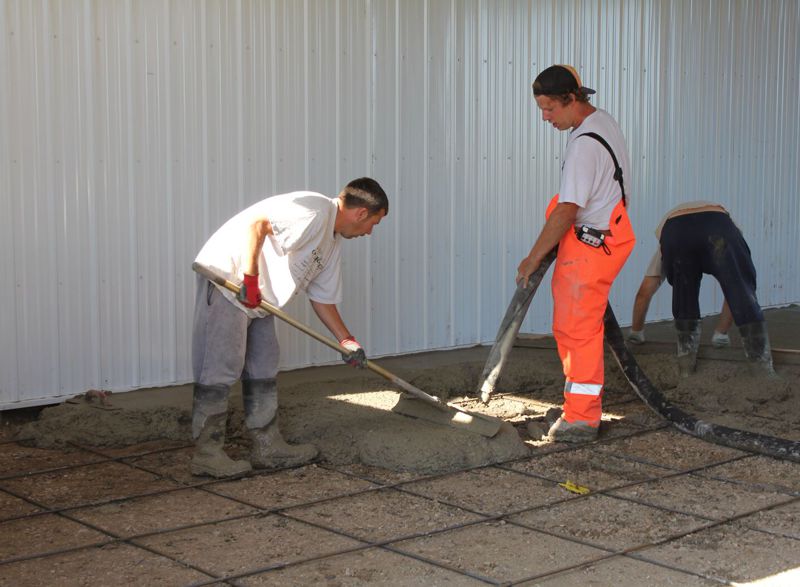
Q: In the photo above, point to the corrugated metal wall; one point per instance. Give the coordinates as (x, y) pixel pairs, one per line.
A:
(132, 129)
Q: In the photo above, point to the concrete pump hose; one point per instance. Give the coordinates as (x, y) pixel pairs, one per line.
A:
(509, 328)
(780, 448)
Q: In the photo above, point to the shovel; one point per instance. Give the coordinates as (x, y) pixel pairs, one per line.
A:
(442, 413)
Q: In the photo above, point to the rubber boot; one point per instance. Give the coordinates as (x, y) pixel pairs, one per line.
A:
(209, 414)
(563, 431)
(270, 450)
(755, 340)
(688, 343)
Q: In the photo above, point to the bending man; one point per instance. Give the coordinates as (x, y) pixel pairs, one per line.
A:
(274, 248)
(697, 238)
(654, 277)
(588, 222)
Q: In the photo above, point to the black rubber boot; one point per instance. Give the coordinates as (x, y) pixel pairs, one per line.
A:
(270, 450)
(209, 414)
(688, 343)
(755, 340)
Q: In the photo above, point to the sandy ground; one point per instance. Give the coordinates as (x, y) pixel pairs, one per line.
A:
(102, 495)
(349, 414)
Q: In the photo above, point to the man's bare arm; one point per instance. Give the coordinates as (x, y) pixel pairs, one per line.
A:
(560, 221)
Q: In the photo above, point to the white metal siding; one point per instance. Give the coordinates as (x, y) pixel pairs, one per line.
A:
(132, 129)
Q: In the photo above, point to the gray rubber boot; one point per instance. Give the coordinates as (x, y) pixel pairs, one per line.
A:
(270, 450)
(688, 343)
(563, 431)
(209, 414)
(755, 340)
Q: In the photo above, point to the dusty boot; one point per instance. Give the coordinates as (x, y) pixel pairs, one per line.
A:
(209, 413)
(688, 343)
(755, 340)
(563, 431)
(270, 450)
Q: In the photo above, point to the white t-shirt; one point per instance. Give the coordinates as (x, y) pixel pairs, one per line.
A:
(587, 176)
(654, 268)
(302, 254)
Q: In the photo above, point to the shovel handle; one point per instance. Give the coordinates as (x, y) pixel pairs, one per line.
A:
(406, 386)
(214, 277)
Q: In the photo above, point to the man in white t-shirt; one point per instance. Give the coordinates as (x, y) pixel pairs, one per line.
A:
(589, 224)
(275, 248)
(697, 238)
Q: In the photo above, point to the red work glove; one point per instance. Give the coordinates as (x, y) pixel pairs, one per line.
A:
(356, 357)
(249, 295)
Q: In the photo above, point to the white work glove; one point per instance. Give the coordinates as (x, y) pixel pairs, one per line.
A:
(635, 336)
(720, 340)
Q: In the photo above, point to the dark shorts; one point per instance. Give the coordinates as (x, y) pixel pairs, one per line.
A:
(709, 242)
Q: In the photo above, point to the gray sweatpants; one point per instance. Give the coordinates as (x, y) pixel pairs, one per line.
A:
(226, 344)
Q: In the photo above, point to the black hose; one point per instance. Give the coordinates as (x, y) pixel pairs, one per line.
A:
(780, 448)
(509, 328)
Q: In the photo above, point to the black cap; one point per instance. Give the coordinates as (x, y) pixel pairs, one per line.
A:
(557, 80)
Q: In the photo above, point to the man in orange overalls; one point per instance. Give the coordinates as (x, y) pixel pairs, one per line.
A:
(588, 222)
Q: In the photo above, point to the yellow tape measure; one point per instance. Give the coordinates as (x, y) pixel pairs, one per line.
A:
(573, 488)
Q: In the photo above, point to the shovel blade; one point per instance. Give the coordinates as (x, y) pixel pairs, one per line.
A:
(452, 416)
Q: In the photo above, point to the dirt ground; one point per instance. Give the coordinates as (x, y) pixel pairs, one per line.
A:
(101, 494)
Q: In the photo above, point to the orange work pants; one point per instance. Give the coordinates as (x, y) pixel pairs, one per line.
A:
(581, 282)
